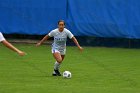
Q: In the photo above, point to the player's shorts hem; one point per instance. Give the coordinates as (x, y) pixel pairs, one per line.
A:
(62, 52)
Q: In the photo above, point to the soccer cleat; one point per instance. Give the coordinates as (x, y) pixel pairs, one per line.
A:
(54, 74)
(57, 73)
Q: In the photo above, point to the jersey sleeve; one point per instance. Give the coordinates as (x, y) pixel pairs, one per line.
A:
(70, 35)
(51, 34)
(1, 37)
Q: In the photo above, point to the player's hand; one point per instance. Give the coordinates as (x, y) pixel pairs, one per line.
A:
(38, 44)
(21, 53)
(81, 49)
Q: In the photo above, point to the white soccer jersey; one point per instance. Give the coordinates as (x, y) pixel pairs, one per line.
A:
(1, 37)
(60, 38)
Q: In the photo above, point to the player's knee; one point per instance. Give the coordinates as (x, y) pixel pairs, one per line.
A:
(59, 60)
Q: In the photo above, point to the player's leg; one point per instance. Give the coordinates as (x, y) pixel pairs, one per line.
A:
(59, 58)
(62, 56)
(58, 63)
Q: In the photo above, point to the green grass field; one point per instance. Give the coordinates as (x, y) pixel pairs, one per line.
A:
(96, 70)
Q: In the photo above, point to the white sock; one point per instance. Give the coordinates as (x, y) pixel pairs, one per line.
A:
(56, 65)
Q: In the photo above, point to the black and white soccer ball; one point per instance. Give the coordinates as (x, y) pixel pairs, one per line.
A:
(67, 74)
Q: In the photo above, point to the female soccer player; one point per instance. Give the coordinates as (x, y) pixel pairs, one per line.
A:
(59, 46)
(10, 46)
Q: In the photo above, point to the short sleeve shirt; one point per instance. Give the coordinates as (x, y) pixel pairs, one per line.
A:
(1, 37)
(60, 38)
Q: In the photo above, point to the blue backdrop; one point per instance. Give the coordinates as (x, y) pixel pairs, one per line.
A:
(101, 18)
(30, 16)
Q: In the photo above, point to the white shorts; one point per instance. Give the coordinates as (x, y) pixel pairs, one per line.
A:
(62, 52)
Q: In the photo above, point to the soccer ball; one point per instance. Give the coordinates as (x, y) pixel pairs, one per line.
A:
(67, 74)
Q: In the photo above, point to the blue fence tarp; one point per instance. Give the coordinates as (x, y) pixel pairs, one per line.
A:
(101, 18)
(30, 16)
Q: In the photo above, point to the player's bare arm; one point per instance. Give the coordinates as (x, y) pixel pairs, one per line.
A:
(44, 39)
(77, 44)
(10, 46)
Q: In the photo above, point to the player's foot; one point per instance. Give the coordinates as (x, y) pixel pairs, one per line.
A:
(54, 74)
(57, 73)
